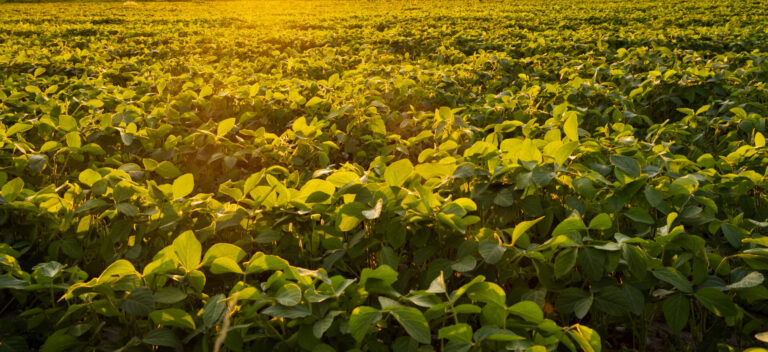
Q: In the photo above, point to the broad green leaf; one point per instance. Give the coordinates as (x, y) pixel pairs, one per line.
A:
(315, 191)
(528, 310)
(568, 225)
(564, 152)
(169, 295)
(387, 303)
(214, 310)
(437, 285)
(162, 262)
(676, 310)
(173, 317)
(521, 228)
(280, 311)
(67, 123)
(225, 126)
(127, 209)
(761, 241)
(289, 295)
(636, 261)
(37, 162)
(575, 300)
(342, 178)
(223, 250)
(48, 269)
(12, 188)
(225, 265)
(89, 177)
(675, 278)
(313, 101)
(494, 314)
(496, 334)
(584, 186)
(49, 146)
(759, 140)
(196, 280)
(466, 203)
(139, 302)
(59, 341)
(733, 234)
(684, 185)
(94, 149)
(571, 126)
(601, 222)
(640, 215)
(750, 280)
(95, 103)
(117, 270)
(8, 281)
(716, 301)
(491, 252)
(565, 261)
(455, 295)
(612, 300)
(163, 337)
(251, 182)
(505, 198)
(383, 272)
(248, 294)
(630, 166)
(17, 128)
(466, 263)
(183, 185)
(634, 298)
(459, 333)
(487, 292)
(73, 140)
(188, 249)
(586, 338)
(322, 325)
(542, 176)
(425, 299)
(468, 309)
(591, 262)
(167, 169)
(361, 320)
(262, 262)
(413, 321)
(397, 172)
(430, 170)
(350, 215)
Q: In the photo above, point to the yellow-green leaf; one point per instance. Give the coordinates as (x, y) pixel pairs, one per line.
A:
(173, 317)
(89, 177)
(571, 126)
(116, 270)
(223, 250)
(225, 126)
(398, 172)
(188, 250)
(520, 229)
(183, 185)
(225, 265)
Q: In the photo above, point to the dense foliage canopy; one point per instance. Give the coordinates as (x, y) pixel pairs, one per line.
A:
(406, 176)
